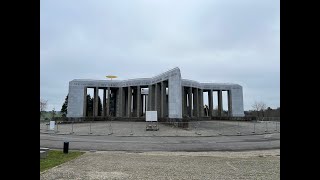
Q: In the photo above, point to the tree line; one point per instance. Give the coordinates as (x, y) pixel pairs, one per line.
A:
(260, 109)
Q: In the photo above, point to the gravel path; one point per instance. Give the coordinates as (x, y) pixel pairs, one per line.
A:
(170, 165)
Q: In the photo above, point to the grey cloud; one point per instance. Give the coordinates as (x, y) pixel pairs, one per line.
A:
(211, 41)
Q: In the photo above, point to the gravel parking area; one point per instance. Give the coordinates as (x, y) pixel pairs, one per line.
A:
(170, 165)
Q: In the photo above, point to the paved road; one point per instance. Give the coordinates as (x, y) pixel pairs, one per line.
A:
(114, 143)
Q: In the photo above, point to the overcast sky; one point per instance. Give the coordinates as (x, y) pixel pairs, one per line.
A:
(219, 41)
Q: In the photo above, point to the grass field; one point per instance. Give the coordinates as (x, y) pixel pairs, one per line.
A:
(57, 157)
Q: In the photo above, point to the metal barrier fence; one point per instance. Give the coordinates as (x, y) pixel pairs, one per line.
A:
(192, 128)
(269, 119)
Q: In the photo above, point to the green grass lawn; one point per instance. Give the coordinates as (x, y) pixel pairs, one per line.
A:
(56, 157)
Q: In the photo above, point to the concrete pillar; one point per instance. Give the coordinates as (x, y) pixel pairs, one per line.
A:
(129, 98)
(163, 99)
(153, 102)
(108, 102)
(138, 96)
(174, 97)
(195, 102)
(145, 102)
(85, 102)
(184, 101)
(229, 103)
(210, 103)
(167, 105)
(122, 102)
(124, 105)
(150, 97)
(190, 101)
(141, 104)
(115, 102)
(118, 102)
(220, 109)
(104, 103)
(186, 111)
(157, 99)
(201, 108)
(96, 101)
(134, 103)
(237, 102)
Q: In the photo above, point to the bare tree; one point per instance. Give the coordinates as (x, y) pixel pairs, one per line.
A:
(43, 105)
(259, 108)
(53, 113)
(263, 107)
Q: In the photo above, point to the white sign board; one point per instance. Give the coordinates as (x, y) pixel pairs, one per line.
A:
(151, 116)
(52, 125)
(144, 91)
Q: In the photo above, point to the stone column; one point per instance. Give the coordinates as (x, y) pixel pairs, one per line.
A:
(184, 101)
(122, 102)
(104, 103)
(138, 101)
(190, 101)
(210, 103)
(167, 104)
(145, 102)
(229, 103)
(158, 99)
(150, 97)
(153, 102)
(237, 102)
(220, 109)
(141, 104)
(118, 102)
(163, 99)
(108, 102)
(195, 102)
(174, 97)
(96, 101)
(129, 101)
(85, 102)
(124, 105)
(134, 103)
(201, 108)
